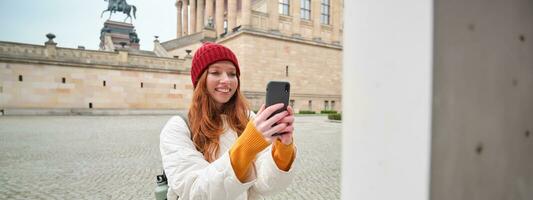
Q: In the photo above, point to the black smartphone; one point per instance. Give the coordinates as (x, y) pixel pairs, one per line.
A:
(278, 92)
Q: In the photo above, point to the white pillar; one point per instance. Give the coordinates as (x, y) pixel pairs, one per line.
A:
(200, 16)
(232, 15)
(387, 90)
(178, 24)
(185, 12)
(209, 14)
(246, 11)
(193, 16)
(219, 16)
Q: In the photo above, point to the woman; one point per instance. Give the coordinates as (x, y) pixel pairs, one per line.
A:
(228, 152)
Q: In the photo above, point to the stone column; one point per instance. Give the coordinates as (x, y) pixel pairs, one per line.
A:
(364, 158)
(295, 9)
(185, 12)
(179, 30)
(209, 12)
(246, 13)
(273, 14)
(193, 16)
(315, 13)
(200, 16)
(336, 21)
(219, 17)
(232, 14)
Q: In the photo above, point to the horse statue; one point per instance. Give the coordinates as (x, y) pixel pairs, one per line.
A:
(121, 6)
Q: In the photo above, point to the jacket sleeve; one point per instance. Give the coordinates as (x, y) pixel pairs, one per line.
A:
(269, 178)
(189, 175)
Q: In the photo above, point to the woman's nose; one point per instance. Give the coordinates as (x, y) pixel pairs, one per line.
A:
(225, 78)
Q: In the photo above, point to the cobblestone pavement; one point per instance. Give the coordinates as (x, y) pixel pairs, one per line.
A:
(117, 157)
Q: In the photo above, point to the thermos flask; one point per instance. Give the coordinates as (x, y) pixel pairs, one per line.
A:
(162, 187)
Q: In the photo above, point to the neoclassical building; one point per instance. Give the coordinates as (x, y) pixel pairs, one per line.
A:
(292, 40)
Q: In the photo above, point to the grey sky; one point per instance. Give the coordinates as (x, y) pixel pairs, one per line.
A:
(78, 22)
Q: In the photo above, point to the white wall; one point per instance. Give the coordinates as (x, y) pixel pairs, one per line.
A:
(387, 99)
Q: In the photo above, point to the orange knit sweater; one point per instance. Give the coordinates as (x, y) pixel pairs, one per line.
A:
(249, 144)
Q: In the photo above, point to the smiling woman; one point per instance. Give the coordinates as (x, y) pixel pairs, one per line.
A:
(222, 81)
(228, 152)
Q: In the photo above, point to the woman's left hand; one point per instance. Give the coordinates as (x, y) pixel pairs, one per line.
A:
(286, 137)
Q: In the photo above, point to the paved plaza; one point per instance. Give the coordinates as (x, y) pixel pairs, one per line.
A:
(117, 157)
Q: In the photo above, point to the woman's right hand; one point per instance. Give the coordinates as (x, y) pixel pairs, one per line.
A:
(264, 125)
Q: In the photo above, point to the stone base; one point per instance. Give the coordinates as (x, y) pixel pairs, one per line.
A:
(120, 33)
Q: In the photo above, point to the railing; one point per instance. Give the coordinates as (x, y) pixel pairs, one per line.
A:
(29, 52)
(260, 22)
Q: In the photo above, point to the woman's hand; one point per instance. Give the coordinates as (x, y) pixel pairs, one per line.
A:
(286, 137)
(265, 126)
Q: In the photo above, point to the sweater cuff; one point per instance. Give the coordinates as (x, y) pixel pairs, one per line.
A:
(283, 155)
(244, 150)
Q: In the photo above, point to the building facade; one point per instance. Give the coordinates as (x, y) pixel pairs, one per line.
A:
(291, 40)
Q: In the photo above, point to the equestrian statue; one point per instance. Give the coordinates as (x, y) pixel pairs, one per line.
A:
(120, 6)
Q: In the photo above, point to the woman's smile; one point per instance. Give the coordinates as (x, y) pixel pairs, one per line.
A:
(223, 90)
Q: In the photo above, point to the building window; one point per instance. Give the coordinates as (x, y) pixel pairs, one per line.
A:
(90, 105)
(324, 17)
(142, 84)
(20, 78)
(305, 9)
(287, 71)
(174, 86)
(326, 105)
(63, 80)
(104, 83)
(332, 105)
(284, 7)
(291, 103)
(310, 104)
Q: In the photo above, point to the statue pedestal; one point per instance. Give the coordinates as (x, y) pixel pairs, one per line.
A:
(120, 33)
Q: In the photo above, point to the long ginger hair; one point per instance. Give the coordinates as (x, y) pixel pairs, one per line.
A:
(205, 118)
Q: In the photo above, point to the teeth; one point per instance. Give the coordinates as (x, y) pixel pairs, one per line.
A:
(223, 90)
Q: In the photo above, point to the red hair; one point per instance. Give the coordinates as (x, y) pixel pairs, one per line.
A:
(205, 119)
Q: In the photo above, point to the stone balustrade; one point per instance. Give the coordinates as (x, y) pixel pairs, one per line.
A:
(260, 22)
(120, 59)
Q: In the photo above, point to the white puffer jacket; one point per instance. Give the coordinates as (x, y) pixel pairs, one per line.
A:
(190, 176)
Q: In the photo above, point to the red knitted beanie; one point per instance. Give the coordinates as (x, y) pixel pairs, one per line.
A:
(208, 54)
